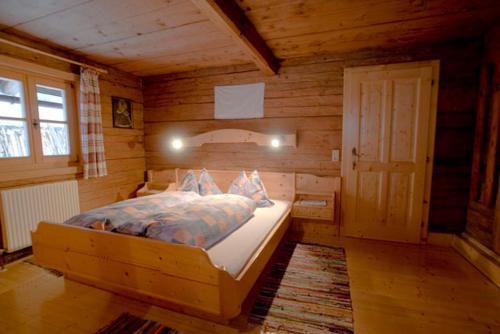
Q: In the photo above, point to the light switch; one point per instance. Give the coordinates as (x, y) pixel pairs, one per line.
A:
(335, 155)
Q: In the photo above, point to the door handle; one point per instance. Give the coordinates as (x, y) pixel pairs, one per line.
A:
(355, 156)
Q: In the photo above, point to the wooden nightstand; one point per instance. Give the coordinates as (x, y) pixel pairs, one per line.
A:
(158, 182)
(301, 209)
(314, 223)
(151, 188)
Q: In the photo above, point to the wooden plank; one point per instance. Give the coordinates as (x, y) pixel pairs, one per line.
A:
(316, 164)
(278, 185)
(496, 227)
(280, 19)
(479, 132)
(256, 264)
(314, 231)
(114, 75)
(311, 143)
(194, 59)
(231, 18)
(234, 136)
(403, 33)
(482, 213)
(491, 171)
(106, 22)
(485, 260)
(11, 15)
(80, 251)
(140, 251)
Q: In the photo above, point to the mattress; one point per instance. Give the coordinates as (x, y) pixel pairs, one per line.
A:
(235, 250)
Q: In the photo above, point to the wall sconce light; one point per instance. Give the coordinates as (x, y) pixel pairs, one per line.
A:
(177, 144)
(275, 142)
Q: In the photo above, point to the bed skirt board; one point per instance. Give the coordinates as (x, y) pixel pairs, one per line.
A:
(178, 277)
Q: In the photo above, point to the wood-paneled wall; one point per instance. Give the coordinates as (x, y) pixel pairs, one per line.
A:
(483, 216)
(124, 147)
(307, 97)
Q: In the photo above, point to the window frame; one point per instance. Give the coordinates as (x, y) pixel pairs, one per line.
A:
(70, 120)
(30, 75)
(30, 159)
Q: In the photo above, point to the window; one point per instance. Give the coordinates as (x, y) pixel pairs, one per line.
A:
(13, 130)
(53, 120)
(36, 120)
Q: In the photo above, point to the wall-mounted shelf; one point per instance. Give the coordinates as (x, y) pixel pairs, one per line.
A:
(232, 136)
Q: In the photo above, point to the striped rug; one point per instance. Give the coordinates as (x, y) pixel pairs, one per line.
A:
(130, 324)
(307, 291)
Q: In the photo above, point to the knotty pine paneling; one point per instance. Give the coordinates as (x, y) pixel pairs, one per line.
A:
(124, 148)
(306, 97)
(483, 220)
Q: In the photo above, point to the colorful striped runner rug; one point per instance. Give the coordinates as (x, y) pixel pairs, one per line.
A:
(130, 324)
(306, 292)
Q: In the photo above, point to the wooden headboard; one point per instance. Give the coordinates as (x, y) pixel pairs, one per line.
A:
(278, 185)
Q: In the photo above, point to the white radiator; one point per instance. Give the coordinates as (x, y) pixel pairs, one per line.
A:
(22, 209)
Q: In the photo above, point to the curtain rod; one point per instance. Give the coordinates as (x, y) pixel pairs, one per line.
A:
(29, 48)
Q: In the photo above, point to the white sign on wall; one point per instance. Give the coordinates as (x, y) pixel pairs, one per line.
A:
(239, 101)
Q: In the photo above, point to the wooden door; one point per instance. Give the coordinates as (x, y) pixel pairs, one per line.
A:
(388, 137)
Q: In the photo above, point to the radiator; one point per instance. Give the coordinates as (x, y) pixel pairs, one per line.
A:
(22, 208)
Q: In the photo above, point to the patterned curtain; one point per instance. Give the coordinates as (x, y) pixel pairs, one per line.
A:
(94, 160)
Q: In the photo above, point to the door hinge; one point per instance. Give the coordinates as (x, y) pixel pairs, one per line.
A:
(433, 82)
(427, 159)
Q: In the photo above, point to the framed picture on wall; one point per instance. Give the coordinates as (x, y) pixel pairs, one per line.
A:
(122, 113)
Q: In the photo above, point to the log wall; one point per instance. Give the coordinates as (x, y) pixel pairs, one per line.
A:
(483, 215)
(306, 97)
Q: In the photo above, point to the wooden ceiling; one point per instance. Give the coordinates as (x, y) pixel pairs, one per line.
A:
(159, 36)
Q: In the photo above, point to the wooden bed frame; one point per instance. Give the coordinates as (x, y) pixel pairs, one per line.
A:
(175, 276)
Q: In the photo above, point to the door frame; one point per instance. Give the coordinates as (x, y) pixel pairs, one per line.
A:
(435, 64)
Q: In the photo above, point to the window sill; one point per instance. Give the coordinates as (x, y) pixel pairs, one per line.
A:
(39, 173)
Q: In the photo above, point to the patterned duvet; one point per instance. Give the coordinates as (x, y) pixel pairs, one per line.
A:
(177, 217)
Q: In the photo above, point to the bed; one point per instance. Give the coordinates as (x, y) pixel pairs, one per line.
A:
(211, 284)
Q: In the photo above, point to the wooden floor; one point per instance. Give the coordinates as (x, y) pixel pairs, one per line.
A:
(395, 289)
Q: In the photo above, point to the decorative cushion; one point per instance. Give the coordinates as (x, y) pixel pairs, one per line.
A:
(241, 185)
(244, 187)
(265, 201)
(207, 184)
(189, 183)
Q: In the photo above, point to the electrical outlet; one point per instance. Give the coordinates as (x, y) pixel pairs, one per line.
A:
(335, 155)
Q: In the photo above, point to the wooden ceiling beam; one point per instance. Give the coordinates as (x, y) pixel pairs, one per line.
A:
(228, 15)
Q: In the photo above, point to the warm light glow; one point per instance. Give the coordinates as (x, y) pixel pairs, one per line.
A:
(177, 144)
(275, 142)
